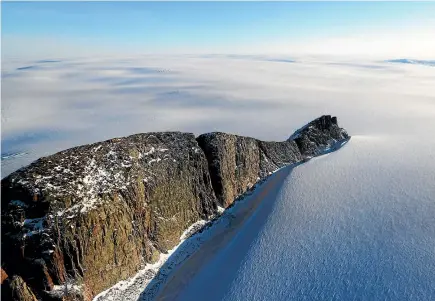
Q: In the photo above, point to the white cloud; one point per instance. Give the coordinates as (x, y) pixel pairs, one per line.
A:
(53, 105)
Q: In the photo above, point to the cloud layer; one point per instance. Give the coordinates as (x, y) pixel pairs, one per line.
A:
(50, 104)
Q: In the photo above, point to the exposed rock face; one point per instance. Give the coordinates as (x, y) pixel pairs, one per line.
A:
(77, 222)
(236, 163)
(18, 290)
(4, 276)
(319, 135)
(93, 214)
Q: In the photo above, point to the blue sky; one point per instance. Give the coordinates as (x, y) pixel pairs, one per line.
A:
(210, 27)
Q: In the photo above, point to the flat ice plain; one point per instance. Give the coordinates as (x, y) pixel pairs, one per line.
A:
(357, 224)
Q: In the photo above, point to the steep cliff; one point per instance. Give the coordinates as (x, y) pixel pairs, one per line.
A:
(77, 222)
(91, 215)
(236, 162)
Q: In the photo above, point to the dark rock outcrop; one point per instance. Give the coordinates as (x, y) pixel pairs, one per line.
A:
(17, 289)
(93, 214)
(236, 163)
(77, 222)
(319, 136)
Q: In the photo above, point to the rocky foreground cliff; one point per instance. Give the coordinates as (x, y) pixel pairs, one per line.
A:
(77, 222)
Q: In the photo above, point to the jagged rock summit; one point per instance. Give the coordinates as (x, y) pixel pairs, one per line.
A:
(76, 222)
(320, 135)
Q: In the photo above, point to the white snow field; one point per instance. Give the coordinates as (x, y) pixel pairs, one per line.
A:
(357, 224)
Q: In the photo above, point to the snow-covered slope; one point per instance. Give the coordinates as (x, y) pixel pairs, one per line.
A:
(357, 224)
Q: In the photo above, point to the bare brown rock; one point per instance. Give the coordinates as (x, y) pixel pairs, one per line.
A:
(236, 163)
(4, 276)
(102, 210)
(20, 291)
(77, 222)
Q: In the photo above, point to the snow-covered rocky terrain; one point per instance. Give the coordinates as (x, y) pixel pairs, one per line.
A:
(357, 224)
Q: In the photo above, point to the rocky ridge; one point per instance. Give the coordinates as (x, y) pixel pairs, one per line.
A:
(76, 222)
